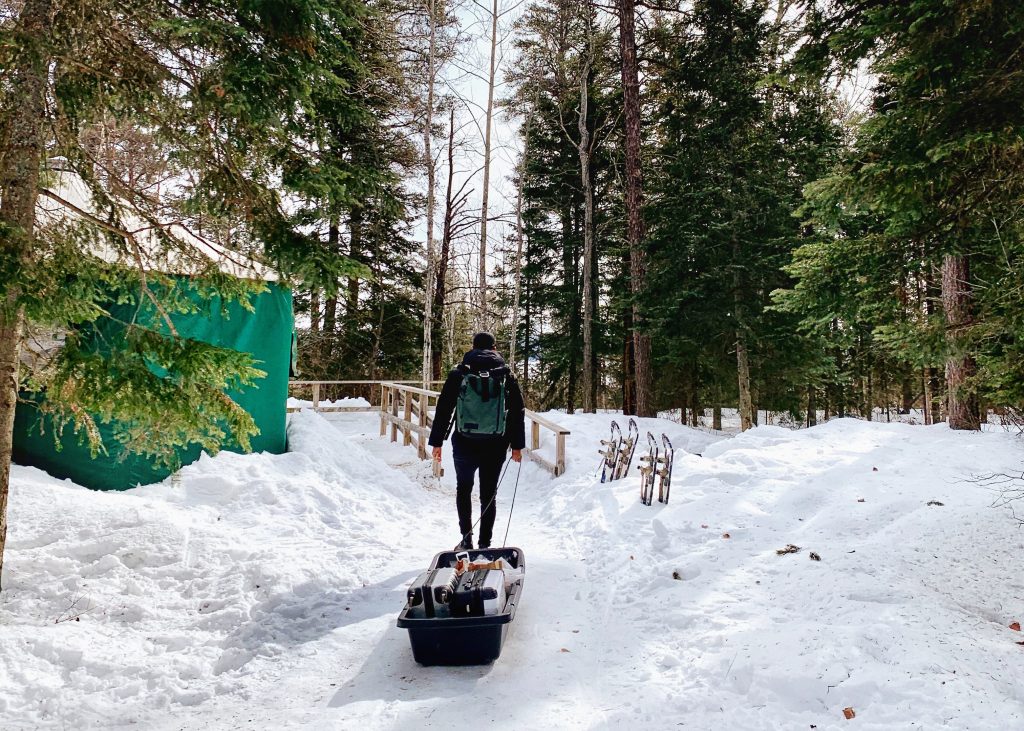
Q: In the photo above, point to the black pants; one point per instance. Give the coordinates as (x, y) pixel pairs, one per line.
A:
(487, 456)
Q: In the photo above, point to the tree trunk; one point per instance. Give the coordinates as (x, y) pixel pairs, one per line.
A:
(716, 417)
(745, 406)
(628, 364)
(314, 311)
(19, 185)
(957, 301)
(377, 297)
(883, 392)
(634, 206)
(812, 406)
(527, 330)
(932, 294)
(906, 393)
(839, 405)
(518, 286)
(869, 407)
(570, 284)
(483, 317)
(927, 406)
(589, 384)
(427, 370)
(355, 250)
(576, 316)
(441, 285)
(331, 305)
(10, 353)
(695, 407)
(935, 389)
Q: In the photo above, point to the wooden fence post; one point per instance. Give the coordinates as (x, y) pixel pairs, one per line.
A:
(407, 418)
(383, 410)
(394, 413)
(316, 397)
(423, 426)
(534, 435)
(559, 454)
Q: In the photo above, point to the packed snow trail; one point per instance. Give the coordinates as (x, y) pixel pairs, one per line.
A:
(262, 591)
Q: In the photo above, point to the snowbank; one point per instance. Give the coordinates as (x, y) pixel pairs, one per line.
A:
(262, 591)
(116, 605)
(347, 401)
(904, 618)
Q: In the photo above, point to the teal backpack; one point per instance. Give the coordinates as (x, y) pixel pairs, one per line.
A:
(480, 410)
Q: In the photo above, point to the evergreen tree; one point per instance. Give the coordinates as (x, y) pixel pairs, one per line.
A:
(929, 198)
(348, 183)
(221, 90)
(737, 137)
(564, 56)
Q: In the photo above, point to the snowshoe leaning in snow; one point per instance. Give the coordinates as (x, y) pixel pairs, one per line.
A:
(610, 453)
(482, 402)
(665, 473)
(626, 450)
(648, 470)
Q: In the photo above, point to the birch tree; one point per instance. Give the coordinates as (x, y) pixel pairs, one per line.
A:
(585, 149)
(483, 317)
(430, 166)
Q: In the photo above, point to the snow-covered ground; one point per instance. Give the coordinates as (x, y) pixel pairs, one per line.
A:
(731, 418)
(346, 402)
(261, 591)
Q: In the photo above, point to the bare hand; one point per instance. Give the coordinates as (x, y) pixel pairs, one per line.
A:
(517, 455)
(437, 454)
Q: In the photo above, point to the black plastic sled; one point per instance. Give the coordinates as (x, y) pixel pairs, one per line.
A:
(444, 639)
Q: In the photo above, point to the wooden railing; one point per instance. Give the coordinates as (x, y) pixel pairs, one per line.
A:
(369, 388)
(406, 409)
(415, 419)
(536, 423)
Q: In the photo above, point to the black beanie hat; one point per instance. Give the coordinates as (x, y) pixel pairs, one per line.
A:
(483, 341)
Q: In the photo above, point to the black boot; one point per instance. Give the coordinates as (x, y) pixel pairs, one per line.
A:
(466, 544)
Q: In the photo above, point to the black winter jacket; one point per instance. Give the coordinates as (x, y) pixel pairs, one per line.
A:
(480, 360)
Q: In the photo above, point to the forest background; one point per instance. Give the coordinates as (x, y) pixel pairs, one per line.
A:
(811, 208)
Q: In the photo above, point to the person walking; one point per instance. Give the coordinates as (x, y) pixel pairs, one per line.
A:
(481, 399)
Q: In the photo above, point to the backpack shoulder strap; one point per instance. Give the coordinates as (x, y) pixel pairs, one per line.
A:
(462, 370)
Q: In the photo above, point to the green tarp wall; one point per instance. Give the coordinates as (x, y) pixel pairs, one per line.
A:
(266, 333)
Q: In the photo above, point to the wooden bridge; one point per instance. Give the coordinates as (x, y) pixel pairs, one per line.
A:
(406, 410)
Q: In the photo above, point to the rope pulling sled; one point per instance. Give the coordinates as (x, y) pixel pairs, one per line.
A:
(459, 610)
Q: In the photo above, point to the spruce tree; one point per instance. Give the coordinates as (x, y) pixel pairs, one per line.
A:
(932, 188)
(738, 136)
(222, 90)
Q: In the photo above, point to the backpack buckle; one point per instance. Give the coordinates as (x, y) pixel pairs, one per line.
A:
(484, 374)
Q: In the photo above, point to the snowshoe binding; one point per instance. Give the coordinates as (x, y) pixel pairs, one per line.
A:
(648, 470)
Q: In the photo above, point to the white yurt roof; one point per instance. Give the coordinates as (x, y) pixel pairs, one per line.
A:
(66, 198)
